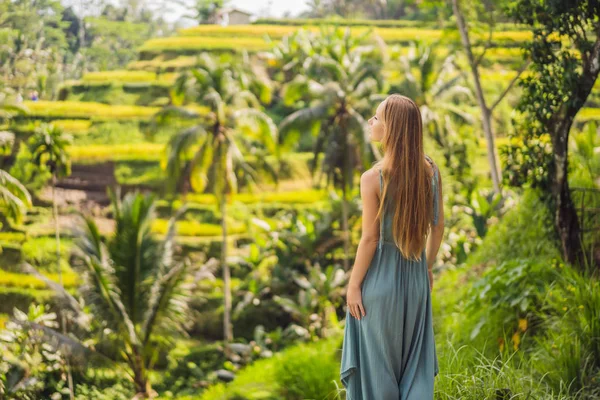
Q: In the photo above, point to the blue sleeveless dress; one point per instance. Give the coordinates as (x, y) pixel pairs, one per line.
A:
(389, 354)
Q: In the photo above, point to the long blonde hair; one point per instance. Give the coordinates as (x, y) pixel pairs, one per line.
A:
(405, 177)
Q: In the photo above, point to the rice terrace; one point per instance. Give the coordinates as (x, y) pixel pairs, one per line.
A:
(182, 203)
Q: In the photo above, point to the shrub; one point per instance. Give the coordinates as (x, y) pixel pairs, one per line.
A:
(308, 371)
(526, 231)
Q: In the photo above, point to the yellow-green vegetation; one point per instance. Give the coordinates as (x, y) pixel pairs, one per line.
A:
(160, 62)
(193, 228)
(13, 237)
(128, 76)
(74, 126)
(145, 151)
(198, 43)
(588, 114)
(3, 320)
(251, 37)
(292, 197)
(16, 280)
(86, 110)
(388, 34)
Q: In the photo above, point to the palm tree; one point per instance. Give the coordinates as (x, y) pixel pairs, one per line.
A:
(134, 284)
(341, 84)
(435, 86)
(48, 147)
(14, 200)
(219, 140)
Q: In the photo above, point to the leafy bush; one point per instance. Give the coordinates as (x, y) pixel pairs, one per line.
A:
(31, 367)
(262, 379)
(308, 371)
(525, 232)
(508, 295)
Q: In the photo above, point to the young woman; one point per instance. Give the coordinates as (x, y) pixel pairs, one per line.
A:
(388, 351)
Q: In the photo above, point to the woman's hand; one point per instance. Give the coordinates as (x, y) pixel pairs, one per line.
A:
(354, 302)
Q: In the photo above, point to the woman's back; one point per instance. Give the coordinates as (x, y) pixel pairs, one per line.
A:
(389, 354)
(386, 228)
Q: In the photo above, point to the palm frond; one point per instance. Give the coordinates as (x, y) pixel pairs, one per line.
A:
(259, 124)
(14, 197)
(101, 290)
(178, 147)
(200, 165)
(301, 121)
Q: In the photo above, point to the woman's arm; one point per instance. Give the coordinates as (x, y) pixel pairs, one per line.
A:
(437, 231)
(369, 189)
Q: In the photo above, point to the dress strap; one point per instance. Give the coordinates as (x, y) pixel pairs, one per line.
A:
(381, 219)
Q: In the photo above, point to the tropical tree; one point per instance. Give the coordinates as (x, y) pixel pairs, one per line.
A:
(565, 53)
(14, 200)
(135, 287)
(48, 147)
(217, 142)
(436, 86)
(133, 282)
(340, 86)
(486, 106)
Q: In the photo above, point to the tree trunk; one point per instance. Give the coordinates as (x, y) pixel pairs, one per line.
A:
(486, 114)
(566, 221)
(227, 328)
(63, 319)
(140, 379)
